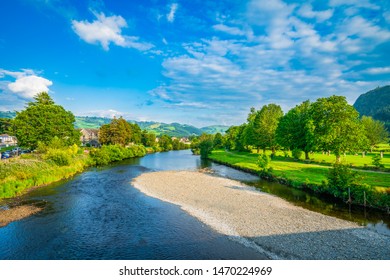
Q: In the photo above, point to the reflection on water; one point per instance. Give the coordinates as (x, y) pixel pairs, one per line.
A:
(99, 215)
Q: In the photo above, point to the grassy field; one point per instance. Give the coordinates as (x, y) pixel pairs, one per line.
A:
(356, 160)
(296, 171)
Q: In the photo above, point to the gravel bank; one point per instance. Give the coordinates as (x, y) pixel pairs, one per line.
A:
(17, 213)
(260, 220)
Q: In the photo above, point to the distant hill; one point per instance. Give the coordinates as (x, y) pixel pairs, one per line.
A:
(7, 115)
(173, 129)
(375, 103)
(91, 122)
(212, 129)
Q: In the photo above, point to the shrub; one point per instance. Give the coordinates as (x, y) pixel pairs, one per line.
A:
(341, 178)
(99, 156)
(59, 157)
(115, 152)
(296, 153)
(377, 161)
(263, 161)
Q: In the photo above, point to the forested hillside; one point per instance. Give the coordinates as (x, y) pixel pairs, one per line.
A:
(375, 103)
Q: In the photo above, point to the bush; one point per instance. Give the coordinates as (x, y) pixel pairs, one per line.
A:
(99, 157)
(296, 153)
(111, 153)
(377, 161)
(341, 178)
(263, 161)
(59, 157)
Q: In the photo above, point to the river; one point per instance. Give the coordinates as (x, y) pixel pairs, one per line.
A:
(99, 215)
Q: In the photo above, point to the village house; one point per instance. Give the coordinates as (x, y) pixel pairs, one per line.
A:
(89, 136)
(185, 140)
(7, 140)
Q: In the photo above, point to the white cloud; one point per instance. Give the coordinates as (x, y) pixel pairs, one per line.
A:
(378, 70)
(27, 83)
(172, 12)
(357, 35)
(228, 29)
(307, 11)
(29, 86)
(359, 4)
(109, 113)
(106, 30)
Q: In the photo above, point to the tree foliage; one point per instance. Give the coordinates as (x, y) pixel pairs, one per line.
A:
(218, 141)
(264, 126)
(375, 131)
(148, 138)
(205, 145)
(336, 125)
(119, 131)
(42, 120)
(5, 125)
(165, 143)
(295, 129)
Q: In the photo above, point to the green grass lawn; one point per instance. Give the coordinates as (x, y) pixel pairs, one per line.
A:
(356, 160)
(296, 171)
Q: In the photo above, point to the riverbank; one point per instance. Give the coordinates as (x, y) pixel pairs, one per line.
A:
(309, 176)
(17, 213)
(18, 175)
(262, 221)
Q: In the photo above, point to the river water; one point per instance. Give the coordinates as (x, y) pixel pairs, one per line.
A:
(99, 215)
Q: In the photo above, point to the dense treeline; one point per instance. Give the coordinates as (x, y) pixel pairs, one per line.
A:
(330, 125)
(120, 132)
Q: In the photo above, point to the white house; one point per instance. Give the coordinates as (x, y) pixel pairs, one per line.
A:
(8, 140)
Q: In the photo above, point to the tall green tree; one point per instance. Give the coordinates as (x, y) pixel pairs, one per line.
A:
(119, 131)
(175, 144)
(295, 129)
(337, 126)
(148, 138)
(375, 131)
(165, 142)
(218, 141)
(42, 120)
(264, 126)
(136, 133)
(205, 145)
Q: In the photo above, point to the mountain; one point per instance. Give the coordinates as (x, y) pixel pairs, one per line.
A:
(172, 129)
(91, 122)
(212, 129)
(375, 103)
(7, 115)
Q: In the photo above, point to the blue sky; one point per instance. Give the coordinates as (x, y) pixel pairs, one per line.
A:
(195, 62)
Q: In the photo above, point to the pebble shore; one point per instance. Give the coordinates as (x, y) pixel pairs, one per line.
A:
(271, 225)
(17, 213)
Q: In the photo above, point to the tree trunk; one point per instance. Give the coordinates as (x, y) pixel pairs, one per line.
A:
(338, 158)
(258, 150)
(264, 151)
(273, 150)
(363, 154)
(381, 154)
(307, 155)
